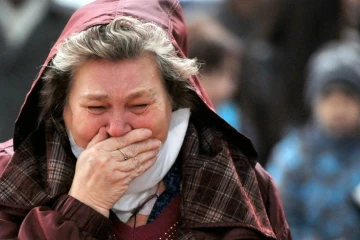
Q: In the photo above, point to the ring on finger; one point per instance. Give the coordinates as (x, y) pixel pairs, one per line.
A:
(126, 157)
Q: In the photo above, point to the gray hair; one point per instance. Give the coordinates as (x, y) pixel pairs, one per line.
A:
(123, 38)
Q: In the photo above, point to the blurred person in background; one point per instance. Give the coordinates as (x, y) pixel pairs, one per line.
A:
(286, 34)
(316, 167)
(28, 28)
(352, 11)
(239, 16)
(195, 9)
(221, 53)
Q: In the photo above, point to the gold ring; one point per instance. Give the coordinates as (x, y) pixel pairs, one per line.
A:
(126, 157)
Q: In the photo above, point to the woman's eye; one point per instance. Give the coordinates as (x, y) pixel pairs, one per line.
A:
(139, 108)
(96, 109)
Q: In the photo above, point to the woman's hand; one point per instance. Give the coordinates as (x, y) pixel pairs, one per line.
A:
(103, 175)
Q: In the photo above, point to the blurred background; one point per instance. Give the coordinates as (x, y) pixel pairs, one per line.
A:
(277, 38)
(286, 73)
(258, 61)
(28, 29)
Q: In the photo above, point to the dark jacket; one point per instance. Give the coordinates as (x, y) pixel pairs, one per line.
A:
(225, 193)
(19, 66)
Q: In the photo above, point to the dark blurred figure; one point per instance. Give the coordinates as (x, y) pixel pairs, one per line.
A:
(287, 33)
(221, 52)
(27, 31)
(352, 11)
(316, 166)
(239, 16)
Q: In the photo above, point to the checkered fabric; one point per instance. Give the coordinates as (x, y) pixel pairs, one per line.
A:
(218, 184)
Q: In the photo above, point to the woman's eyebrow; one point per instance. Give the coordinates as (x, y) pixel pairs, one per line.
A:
(102, 96)
(94, 96)
(142, 93)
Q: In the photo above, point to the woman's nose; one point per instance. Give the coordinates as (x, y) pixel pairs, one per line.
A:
(117, 128)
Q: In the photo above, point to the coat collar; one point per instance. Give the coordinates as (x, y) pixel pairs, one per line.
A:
(219, 183)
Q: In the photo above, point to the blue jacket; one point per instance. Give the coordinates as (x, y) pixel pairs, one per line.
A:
(316, 175)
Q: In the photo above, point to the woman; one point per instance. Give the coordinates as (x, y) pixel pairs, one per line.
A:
(117, 140)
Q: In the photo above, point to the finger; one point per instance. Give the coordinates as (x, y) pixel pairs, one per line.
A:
(137, 162)
(142, 168)
(99, 137)
(139, 147)
(136, 135)
(134, 173)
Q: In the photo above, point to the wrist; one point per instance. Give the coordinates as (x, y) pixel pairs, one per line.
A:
(86, 201)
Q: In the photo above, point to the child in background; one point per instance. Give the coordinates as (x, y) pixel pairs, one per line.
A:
(221, 54)
(316, 167)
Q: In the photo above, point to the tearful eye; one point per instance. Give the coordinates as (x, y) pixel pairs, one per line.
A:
(96, 109)
(139, 108)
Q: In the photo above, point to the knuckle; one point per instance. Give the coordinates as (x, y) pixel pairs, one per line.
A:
(139, 170)
(133, 150)
(135, 162)
(129, 180)
(99, 162)
(122, 141)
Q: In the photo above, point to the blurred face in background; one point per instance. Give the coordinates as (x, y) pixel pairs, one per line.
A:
(245, 8)
(352, 11)
(220, 83)
(16, 2)
(338, 112)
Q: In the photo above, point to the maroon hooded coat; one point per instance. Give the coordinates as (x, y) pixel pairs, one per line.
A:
(239, 200)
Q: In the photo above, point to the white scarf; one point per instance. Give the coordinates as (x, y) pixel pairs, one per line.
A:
(147, 184)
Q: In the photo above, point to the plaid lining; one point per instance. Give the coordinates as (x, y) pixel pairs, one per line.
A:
(221, 188)
(31, 180)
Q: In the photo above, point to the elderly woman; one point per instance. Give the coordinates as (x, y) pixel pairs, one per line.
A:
(117, 140)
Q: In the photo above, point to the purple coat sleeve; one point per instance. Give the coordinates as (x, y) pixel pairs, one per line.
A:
(273, 204)
(68, 218)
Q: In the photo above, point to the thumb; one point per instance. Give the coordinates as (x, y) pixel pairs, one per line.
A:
(99, 137)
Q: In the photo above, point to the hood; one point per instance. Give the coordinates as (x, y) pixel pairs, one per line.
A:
(165, 13)
(336, 62)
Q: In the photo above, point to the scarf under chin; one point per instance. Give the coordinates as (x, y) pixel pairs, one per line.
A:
(146, 184)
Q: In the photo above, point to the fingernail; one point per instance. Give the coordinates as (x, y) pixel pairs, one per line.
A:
(147, 132)
(157, 143)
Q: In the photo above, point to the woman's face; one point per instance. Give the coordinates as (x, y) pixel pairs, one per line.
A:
(120, 96)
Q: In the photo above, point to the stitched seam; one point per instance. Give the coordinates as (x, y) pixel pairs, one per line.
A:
(170, 13)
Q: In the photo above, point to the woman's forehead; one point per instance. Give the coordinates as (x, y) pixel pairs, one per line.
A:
(130, 78)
